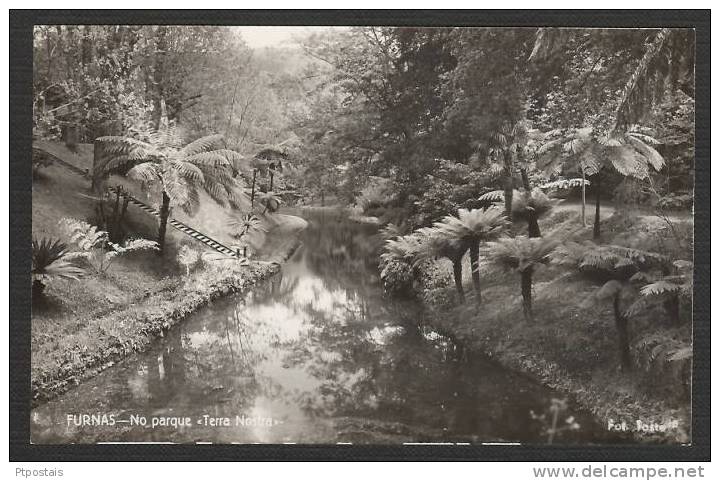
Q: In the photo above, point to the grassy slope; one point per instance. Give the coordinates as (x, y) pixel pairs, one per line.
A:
(568, 347)
(83, 325)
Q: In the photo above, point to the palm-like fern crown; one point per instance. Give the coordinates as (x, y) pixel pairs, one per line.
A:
(680, 282)
(508, 135)
(609, 260)
(390, 231)
(403, 248)
(535, 201)
(45, 252)
(473, 225)
(270, 200)
(434, 243)
(50, 258)
(520, 253)
(631, 153)
(246, 224)
(160, 160)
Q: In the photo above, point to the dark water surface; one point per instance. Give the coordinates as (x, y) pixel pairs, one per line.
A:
(315, 355)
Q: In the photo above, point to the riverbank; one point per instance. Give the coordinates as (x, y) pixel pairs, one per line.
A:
(569, 347)
(549, 354)
(65, 355)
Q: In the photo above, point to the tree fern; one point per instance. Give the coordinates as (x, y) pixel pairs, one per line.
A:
(203, 144)
(522, 255)
(617, 269)
(160, 159)
(436, 243)
(403, 248)
(471, 227)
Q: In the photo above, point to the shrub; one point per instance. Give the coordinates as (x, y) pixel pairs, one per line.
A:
(50, 259)
(95, 247)
(397, 277)
(376, 195)
(666, 357)
(191, 259)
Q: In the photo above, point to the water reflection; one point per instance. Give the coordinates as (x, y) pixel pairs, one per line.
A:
(315, 355)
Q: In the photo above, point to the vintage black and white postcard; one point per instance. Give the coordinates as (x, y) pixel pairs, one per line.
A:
(363, 234)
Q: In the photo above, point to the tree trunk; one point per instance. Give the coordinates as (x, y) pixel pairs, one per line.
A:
(48, 54)
(164, 214)
(252, 190)
(38, 287)
(86, 45)
(526, 288)
(475, 268)
(508, 164)
(101, 214)
(508, 196)
(596, 227)
(672, 308)
(61, 47)
(533, 226)
(525, 179)
(116, 216)
(582, 171)
(124, 209)
(621, 324)
(161, 47)
(272, 177)
(457, 274)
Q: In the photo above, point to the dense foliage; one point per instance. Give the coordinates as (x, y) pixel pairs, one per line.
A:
(463, 138)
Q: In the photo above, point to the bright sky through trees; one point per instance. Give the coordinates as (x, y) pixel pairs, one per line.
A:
(259, 37)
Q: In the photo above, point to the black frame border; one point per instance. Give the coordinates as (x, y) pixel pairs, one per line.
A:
(20, 30)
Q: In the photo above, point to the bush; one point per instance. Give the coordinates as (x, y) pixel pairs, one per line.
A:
(376, 195)
(666, 357)
(397, 277)
(94, 247)
(51, 260)
(676, 201)
(191, 259)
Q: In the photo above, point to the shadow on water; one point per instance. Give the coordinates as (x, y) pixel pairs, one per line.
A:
(316, 354)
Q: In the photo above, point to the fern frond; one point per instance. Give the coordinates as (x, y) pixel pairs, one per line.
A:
(659, 288)
(137, 245)
(520, 252)
(493, 196)
(681, 354)
(648, 153)
(214, 159)
(190, 171)
(82, 234)
(217, 192)
(147, 173)
(176, 187)
(203, 144)
(64, 269)
(631, 99)
(562, 184)
(126, 146)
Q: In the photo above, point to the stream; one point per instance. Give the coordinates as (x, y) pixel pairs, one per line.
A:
(316, 354)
